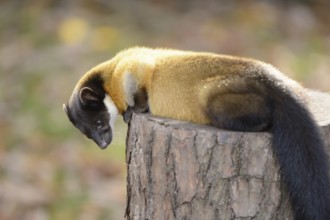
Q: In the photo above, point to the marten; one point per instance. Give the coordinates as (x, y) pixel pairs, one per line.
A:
(226, 92)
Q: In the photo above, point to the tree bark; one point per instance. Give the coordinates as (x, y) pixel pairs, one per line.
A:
(178, 170)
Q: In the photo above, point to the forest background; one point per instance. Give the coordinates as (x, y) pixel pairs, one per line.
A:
(48, 170)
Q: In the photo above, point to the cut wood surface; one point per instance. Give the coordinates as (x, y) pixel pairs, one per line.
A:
(178, 170)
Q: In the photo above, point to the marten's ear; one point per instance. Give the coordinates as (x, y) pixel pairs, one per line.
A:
(65, 108)
(68, 113)
(88, 97)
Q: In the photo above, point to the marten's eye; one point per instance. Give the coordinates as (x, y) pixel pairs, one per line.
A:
(98, 124)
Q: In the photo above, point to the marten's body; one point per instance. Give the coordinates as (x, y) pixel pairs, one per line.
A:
(223, 91)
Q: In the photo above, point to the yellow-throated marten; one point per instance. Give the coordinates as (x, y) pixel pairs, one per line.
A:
(227, 92)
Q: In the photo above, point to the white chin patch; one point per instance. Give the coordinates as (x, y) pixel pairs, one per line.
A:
(112, 110)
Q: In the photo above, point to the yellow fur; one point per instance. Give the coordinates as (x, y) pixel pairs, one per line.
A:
(187, 78)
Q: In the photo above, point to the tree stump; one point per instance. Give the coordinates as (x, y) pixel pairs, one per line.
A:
(178, 170)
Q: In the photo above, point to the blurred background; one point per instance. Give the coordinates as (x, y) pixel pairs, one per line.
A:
(48, 170)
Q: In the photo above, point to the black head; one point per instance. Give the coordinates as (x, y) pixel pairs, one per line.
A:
(88, 112)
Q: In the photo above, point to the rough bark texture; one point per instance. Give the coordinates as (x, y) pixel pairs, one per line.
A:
(178, 170)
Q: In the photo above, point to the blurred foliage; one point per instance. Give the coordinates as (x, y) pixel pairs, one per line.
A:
(48, 170)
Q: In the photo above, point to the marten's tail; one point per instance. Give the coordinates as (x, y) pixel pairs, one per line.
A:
(300, 151)
(256, 104)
